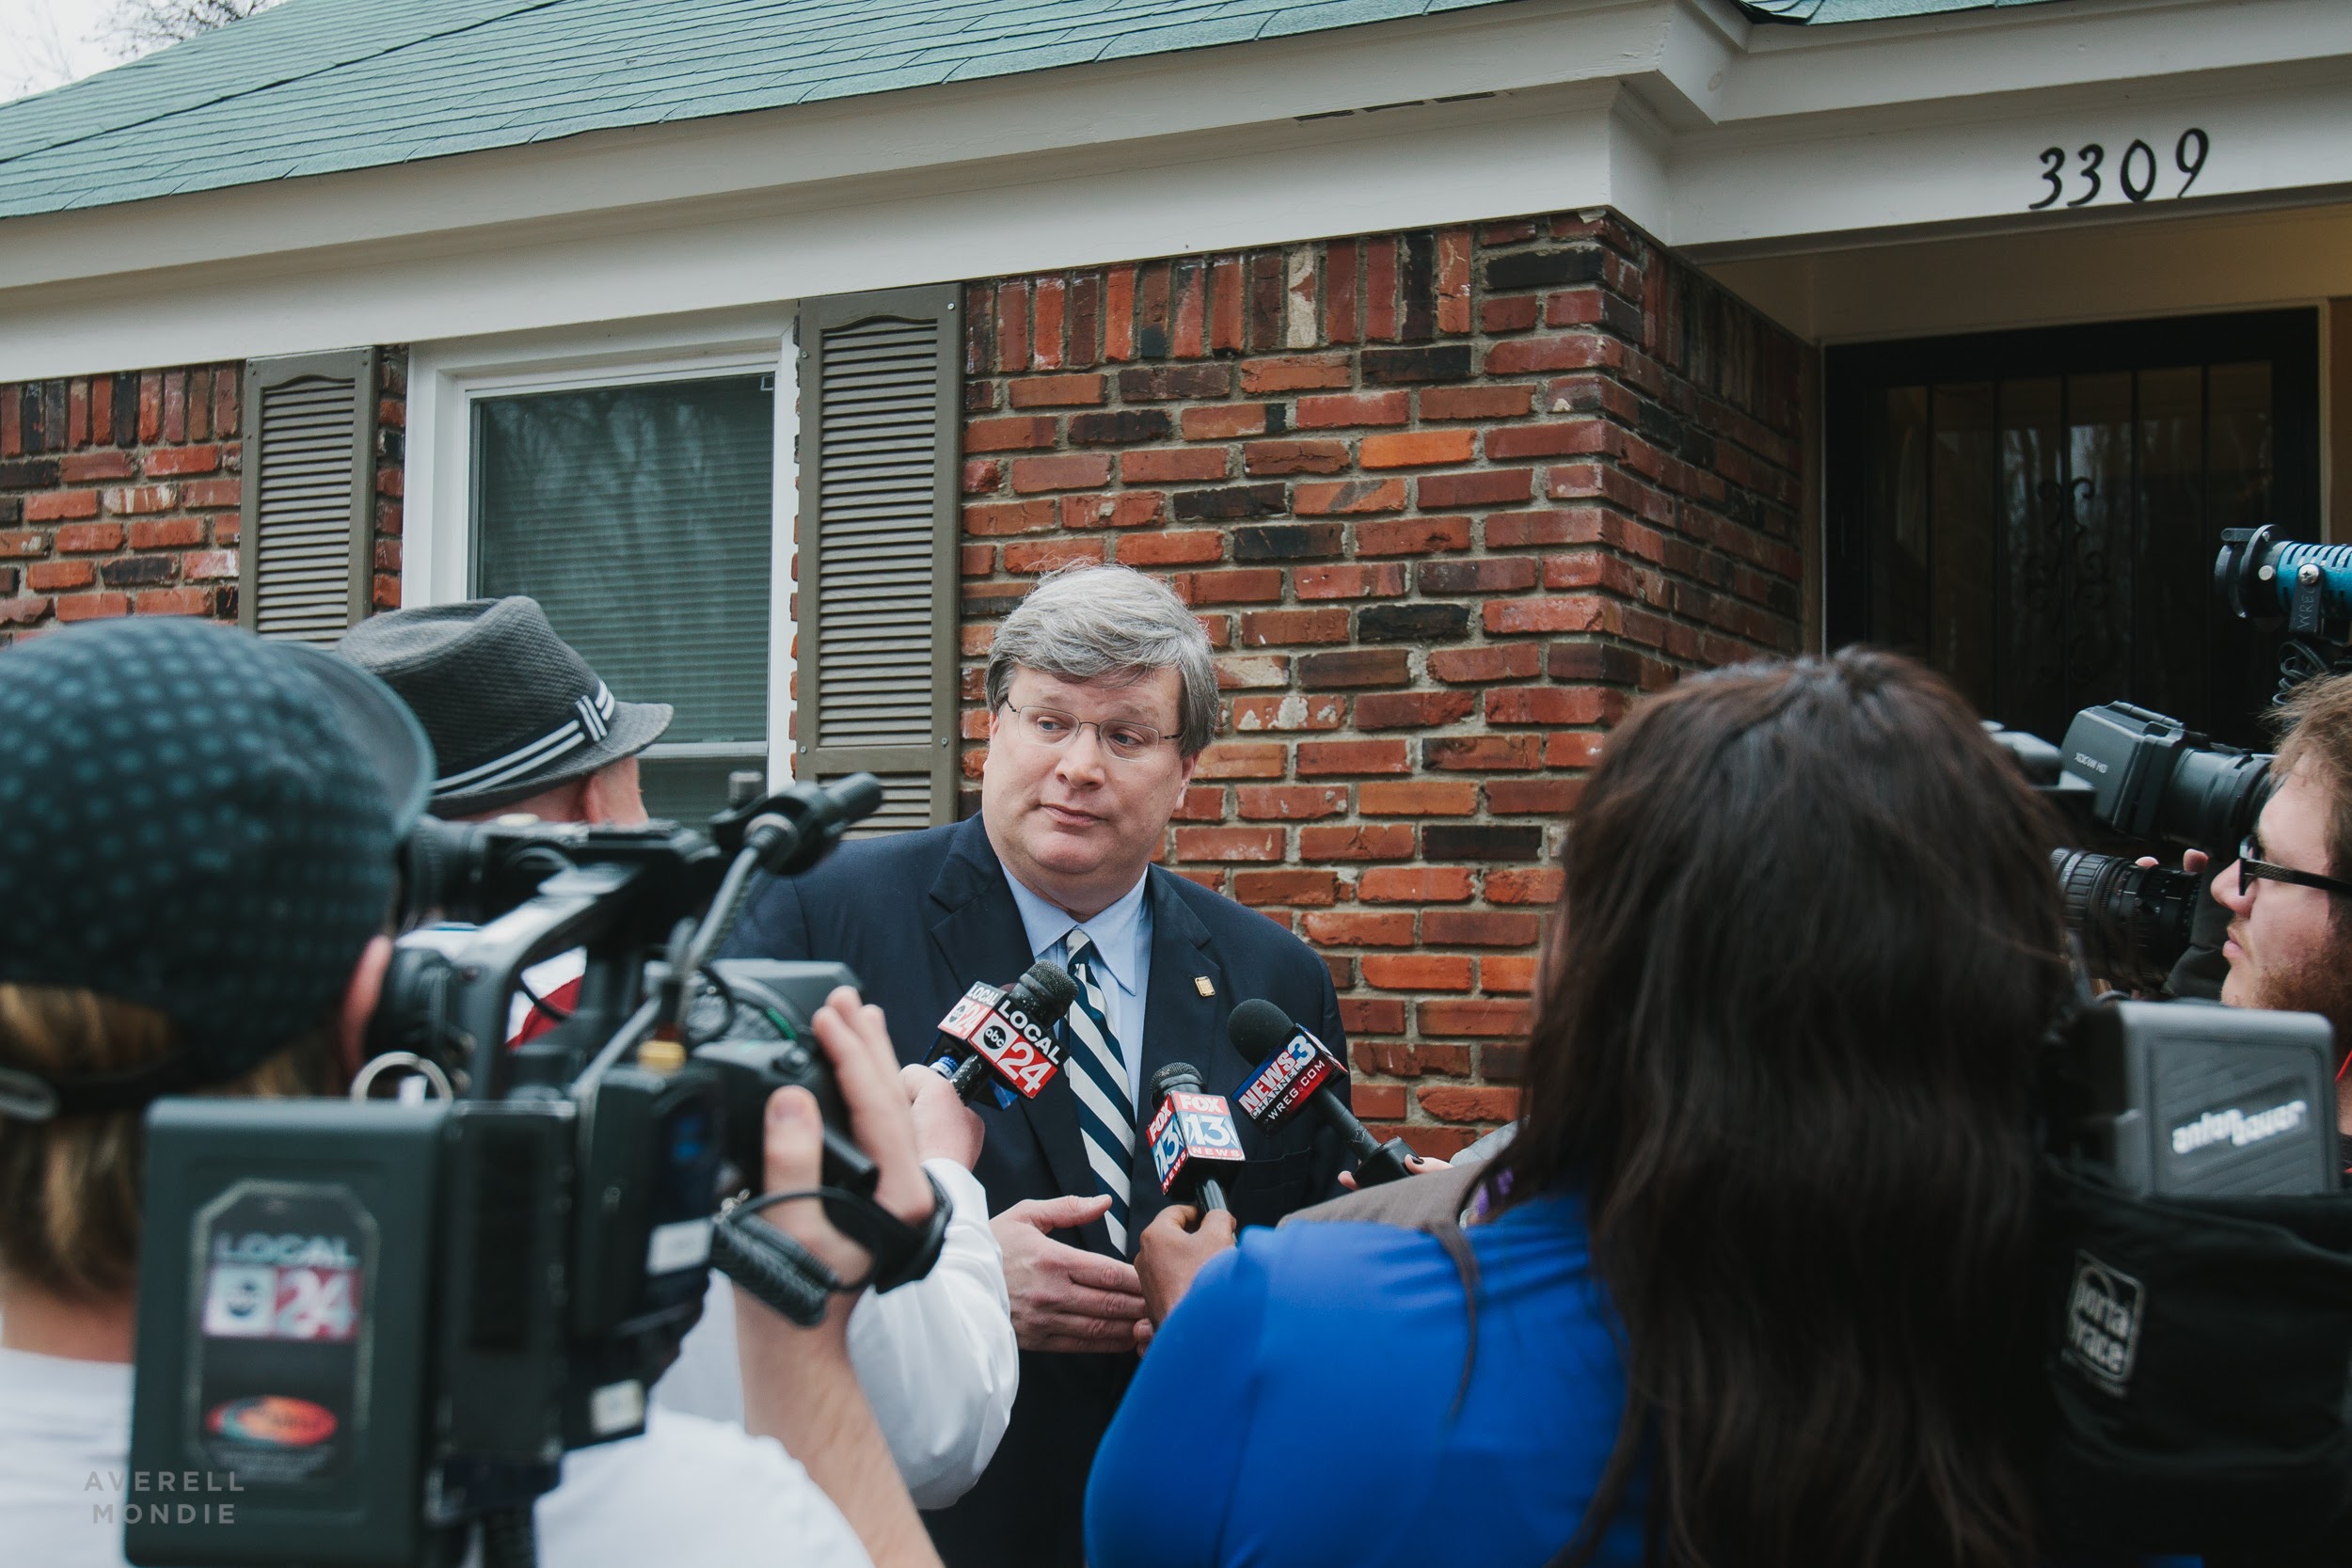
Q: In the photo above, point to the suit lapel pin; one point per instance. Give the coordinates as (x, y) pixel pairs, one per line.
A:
(1206, 985)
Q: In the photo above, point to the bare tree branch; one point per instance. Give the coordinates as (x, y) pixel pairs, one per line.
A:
(140, 25)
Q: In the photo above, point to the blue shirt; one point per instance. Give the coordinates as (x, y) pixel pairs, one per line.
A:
(1297, 1408)
(1123, 938)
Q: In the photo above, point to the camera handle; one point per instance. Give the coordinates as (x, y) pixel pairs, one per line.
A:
(793, 1280)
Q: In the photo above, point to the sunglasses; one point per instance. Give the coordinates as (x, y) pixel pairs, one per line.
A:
(2252, 868)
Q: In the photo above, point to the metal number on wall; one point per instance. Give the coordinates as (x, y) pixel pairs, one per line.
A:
(2134, 176)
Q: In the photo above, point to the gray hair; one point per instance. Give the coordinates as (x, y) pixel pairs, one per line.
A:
(1081, 623)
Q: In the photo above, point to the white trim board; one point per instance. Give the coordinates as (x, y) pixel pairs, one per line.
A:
(444, 379)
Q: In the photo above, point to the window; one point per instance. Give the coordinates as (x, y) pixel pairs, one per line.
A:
(2037, 512)
(640, 515)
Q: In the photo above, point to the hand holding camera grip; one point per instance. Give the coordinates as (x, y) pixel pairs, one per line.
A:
(791, 1279)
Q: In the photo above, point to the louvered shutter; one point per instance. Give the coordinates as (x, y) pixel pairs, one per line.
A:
(310, 489)
(880, 400)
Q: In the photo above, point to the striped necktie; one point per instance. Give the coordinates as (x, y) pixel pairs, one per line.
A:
(1107, 1117)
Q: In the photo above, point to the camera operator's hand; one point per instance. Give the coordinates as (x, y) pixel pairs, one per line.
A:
(856, 1041)
(798, 1384)
(1178, 1241)
(1415, 1164)
(944, 1127)
(2192, 860)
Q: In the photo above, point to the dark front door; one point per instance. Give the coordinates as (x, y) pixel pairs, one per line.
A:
(2036, 513)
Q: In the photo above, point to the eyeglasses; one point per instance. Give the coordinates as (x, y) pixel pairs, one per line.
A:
(2251, 867)
(1052, 728)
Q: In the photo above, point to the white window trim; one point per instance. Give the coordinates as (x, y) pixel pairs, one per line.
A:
(444, 379)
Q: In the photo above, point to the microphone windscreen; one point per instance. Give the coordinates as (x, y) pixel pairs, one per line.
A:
(1050, 987)
(1179, 1077)
(1258, 1028)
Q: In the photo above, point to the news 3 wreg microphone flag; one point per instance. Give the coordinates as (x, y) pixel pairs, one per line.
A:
(1296, 1070)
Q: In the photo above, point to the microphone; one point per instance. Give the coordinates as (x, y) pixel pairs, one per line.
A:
(1010, 1031)
(1191, 1127)
(1297, 1069)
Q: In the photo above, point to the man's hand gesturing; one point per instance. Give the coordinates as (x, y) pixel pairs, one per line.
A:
(1065, 1298)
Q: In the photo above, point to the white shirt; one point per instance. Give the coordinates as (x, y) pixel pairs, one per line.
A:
(1122, 940)
(688, 1491)
(936, 1357)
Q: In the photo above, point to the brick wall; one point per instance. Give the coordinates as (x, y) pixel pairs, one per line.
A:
(119, 494)
(1444, 501)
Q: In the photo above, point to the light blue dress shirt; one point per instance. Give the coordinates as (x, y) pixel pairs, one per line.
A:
(1122, 943)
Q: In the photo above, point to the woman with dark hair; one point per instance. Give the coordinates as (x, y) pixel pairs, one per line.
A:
(1753, 1283)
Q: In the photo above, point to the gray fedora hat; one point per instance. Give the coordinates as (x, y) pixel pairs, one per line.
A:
(511, 708)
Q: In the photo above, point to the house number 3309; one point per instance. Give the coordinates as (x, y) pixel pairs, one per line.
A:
(2133, 173)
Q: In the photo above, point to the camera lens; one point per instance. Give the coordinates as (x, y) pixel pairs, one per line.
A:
(2213, 797)
(2133, 920)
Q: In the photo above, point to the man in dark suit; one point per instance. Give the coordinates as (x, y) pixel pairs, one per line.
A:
(1102, 697)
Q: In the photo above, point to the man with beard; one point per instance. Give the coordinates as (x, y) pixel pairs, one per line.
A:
(2289, 937)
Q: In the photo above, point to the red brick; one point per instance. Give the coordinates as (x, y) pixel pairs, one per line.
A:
(1348, 582)
(1199, 804)
(1349, 495)
(1475, 402)
(202, 493)
(1525, 884)
(1417, 797)
(167, 534)
(139, 499)
(90, 538)
(1523, 356)
(31, 542)
(1172, 464)
(1310, 888)
(1575, 750)
(1295, 457)
(1418, 970)
(1000, 518)
(1555, 704)
(1510, 314)
(93, 607)
(176, 601)
(1055, 391)
(1247, 585)
(1235, 759)
(1464, 1102)
(1228, 843)
(1043, 554)
(1353, 929)
(1412, 536)
(1224, 422)
(1368, 408)
(1485, 752)
(1130, 509)
(50, 577)
(1481, 487)
(1324, 757)
(1493, 662)
(1291, 802)
(1290, 711)
(182, 460)
(1296, 372)
(1417, 884)
(1552, 439)
(1069, 471)
(25, 611)
(975, 560)
(1480, 928)
(1577, 612)
(87, 467)
(1379, 1101)
(59, 504)
(1533, 797)
(1398, 710)
(1261, 628)
(1007, 434)
(1372, 1015)
(1417, 448)
(1242, 674)
(1494, 575)
(1184, 548)
(1501, 976)
(1372, 841)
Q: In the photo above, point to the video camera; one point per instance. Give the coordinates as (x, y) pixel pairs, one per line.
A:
(387, 1320)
